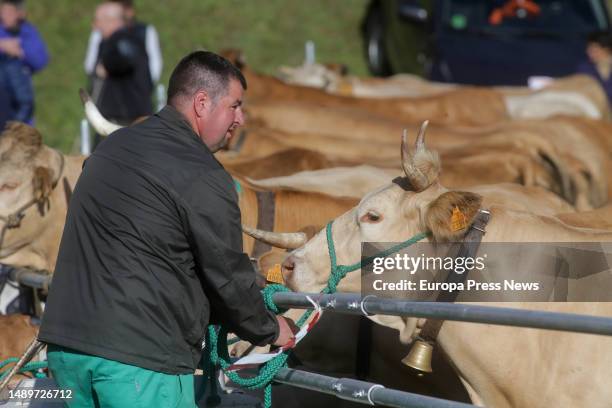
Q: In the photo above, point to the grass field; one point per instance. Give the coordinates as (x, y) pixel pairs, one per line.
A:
(271, 32)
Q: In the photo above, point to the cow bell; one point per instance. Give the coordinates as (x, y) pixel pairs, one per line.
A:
(419, 357)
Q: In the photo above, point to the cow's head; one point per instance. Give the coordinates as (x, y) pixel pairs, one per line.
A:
(314, 75)
(410, 205)
(28, 169)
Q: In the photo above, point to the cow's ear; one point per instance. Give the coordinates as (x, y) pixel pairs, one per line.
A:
(42, 185)
(450, 215)
(26, 139)
(235, 56)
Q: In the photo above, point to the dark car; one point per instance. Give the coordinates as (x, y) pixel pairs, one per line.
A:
(481, 42)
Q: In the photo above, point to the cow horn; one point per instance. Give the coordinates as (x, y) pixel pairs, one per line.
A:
(95, 118)
(422, 167)
(420, 140)
(415, 176)
(286, 240)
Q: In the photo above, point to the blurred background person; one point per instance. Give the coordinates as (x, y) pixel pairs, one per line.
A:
(599, 62)
(122, 84)
(146, 34)
(22, 53)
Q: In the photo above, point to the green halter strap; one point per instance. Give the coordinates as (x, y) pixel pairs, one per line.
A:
(338, 272)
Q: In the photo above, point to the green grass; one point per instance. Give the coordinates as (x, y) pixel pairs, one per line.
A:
(271, 32)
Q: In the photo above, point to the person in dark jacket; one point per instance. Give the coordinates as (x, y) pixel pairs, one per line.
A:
(22, 53)
(122, 85)
(599, 62)
(152, 252)
(146, 33)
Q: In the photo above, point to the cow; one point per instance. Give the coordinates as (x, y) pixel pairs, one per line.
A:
(281, 163)
(528, 159)
(475, 106)
(338, 83)
(20, 330)
(35, 184)
(579, 142)
(551, 367)
(17, 333)
(600, 218)
(357, 181)
(578, 95)
(531, 162)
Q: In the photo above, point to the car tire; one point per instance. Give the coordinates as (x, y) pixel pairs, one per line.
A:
(374, 43)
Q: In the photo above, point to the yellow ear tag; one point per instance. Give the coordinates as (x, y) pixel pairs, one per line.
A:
(274, 275)
(458, 221)
(344, 88)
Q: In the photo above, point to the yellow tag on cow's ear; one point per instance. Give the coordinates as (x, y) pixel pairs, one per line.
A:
(344, 88)
(274, 274)
(458, 221)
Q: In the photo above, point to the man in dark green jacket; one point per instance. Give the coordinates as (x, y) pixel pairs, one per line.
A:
(152, 252)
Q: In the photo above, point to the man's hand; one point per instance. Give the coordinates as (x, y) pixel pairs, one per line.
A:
(286, 331)
(12, 47)
(101, 71)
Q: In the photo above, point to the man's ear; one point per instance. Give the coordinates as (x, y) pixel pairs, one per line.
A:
(450, 215)
(201, 103)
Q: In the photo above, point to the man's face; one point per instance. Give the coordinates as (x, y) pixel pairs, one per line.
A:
(223, 118)
(597, 53)
(108, 19)
(10, 16)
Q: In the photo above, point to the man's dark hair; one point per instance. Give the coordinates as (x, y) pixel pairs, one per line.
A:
(203, 70)
(602, 38)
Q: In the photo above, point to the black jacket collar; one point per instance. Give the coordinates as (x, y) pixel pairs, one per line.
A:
(174, 118)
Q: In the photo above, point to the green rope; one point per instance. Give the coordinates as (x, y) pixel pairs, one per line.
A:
(237, 186)
(32, 367)
(267, 294)
(216, 343)
(8, 361)
(338, 272)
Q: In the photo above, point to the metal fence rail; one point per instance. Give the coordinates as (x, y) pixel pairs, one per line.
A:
(361, 391)
(354, 303)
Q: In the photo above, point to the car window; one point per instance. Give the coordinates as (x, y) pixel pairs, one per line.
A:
(535, 16)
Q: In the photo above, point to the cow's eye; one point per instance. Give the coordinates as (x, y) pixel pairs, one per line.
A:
(9, 186)
(371, 217)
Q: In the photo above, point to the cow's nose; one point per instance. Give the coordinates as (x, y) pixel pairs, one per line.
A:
(288, 267)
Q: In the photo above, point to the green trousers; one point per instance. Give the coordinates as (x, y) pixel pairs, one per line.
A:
(100, 383)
